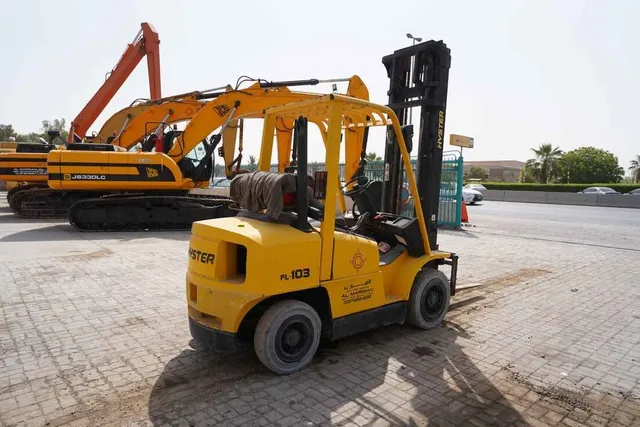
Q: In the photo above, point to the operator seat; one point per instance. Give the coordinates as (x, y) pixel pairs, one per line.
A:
(149, 143)
(399, 232)
(260, 191)
(167, 141)
(257, 191)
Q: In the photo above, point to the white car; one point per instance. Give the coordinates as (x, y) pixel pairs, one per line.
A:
(471, 196)
(601, 191)
(477, 187)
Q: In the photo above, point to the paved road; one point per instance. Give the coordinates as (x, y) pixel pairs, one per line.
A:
(598, 226)
(93, 331)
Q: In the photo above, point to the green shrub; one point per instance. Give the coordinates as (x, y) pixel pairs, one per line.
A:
(561, 188)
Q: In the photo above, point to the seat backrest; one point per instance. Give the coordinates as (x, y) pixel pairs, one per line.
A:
(167, 141)
(149, 143)
(257, 191)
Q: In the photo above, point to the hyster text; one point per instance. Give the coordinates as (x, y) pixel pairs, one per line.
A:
(203, 257)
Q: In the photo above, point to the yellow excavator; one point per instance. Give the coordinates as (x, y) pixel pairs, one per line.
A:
(27, 164)
(121, 132)
(150, 190)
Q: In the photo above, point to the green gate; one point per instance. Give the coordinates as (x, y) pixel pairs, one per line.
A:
(450, 207)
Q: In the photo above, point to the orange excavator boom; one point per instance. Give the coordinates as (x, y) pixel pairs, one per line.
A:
(146, 43)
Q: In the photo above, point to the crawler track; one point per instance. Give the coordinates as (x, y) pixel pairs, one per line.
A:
(133, 212)
(24, 187)
(45, 202)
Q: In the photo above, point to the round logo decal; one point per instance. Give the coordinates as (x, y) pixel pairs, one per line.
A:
(358, 260)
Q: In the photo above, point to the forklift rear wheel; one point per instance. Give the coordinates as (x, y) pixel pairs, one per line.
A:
(287, 336)
(429, 300)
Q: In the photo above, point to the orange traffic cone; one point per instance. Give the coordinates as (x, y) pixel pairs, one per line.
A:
(465, 214)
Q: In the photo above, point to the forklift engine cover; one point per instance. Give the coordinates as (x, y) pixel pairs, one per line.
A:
(234, 263)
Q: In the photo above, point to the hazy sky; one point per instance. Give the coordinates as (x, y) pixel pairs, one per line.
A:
(523, 72)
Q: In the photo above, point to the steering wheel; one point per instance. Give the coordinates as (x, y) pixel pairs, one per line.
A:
(358, 188)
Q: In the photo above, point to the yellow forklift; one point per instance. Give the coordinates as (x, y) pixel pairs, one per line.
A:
(287, 269)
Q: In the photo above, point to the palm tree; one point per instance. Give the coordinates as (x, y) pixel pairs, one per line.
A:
(545, 164)
(635, 169)
(529, 172)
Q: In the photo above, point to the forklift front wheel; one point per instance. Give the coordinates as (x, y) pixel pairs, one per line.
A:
(429, 300)
(287, 336)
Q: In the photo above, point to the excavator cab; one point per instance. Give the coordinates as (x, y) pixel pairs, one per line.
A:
(283, 273)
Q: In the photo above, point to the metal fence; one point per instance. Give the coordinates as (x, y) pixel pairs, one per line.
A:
(450, 206)
(450, 209)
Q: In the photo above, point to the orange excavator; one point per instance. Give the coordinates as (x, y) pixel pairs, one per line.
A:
(28, 164)
(146, 43)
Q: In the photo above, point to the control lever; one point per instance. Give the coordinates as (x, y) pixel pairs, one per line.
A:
(359, 224)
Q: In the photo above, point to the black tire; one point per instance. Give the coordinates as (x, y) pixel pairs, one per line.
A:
(429, 300)
(287, 336)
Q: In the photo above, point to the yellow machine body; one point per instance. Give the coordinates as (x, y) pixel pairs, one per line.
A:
(236, 265)
(24, 167)
(32, 167)
(87, 170)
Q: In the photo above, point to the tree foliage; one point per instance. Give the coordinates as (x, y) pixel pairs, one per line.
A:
(544, 167)
(634, 169)
(58, 125)
(528, 173)
(7, 131)
(373, 157)
(589, 165)
(477, 172)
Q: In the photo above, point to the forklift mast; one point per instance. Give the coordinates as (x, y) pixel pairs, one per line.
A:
(419, 77)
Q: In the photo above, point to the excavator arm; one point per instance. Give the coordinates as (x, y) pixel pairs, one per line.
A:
(164, 111)
(119, 121)
(355, 139)
(146, 43)
(154, 119)
(251, 103)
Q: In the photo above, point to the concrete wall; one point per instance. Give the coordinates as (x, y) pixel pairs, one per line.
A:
(614, 200)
